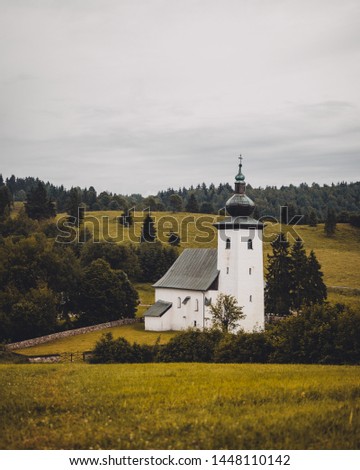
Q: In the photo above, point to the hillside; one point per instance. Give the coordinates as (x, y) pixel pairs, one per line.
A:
(338, 255)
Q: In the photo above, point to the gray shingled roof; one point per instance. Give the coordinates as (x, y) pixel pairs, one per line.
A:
(158, 309)
(195, 269)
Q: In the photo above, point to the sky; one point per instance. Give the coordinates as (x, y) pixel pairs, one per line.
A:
(135, 96)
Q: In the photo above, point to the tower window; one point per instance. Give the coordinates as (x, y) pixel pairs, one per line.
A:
(196, 306)
(228, 243)
(195, 323)
(250, 298)
(249, 271)
(250, 244)
(227, 270)
(179, 302)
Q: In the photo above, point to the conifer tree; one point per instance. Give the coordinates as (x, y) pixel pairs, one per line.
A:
(315, 292)
(174, 239)
(192, 204)
(74, 208)
(278, 281)
(148, 231)
(5, 201)
(126, 218)
(298, 274)
(38, 205)
(313, 219)
(330, 222)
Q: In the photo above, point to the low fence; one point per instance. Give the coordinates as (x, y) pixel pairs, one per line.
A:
(60, 358)
(65, 334)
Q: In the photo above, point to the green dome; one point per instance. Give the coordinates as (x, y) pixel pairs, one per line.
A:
(240, 176)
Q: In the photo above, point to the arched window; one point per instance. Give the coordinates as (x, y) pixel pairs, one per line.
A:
(196, 305)
(250, 298)
(250, 245)
(250, 271)
(228, 243)
(179, 302)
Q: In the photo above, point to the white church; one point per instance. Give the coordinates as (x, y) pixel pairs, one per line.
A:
(193, 282)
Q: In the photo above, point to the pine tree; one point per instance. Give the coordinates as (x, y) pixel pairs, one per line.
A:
(174, 239)
(313, 219)
(5, 201)
(73, 207)
(192, 204)
(126, 218)
(330, 222)
(278, 281)
(38, 205)
(148, 232)
(175, 202)
(298, 274)
(315, 292)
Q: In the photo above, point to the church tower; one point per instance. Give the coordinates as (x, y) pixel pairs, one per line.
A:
(240, 256)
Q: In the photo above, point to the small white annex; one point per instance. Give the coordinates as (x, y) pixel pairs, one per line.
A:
(193, 282)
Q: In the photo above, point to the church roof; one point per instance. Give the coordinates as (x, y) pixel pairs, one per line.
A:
(158, 309)
(194, 269)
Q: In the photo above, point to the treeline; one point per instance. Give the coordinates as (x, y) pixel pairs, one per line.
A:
(310, 201)
(322, 334)
(47, 286)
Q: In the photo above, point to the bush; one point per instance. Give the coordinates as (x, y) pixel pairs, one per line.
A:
(109, 350)
(243, 347)
(191, 346)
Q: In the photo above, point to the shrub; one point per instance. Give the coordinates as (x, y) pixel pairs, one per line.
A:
(191, 346)
(109, 350)
(243, 347)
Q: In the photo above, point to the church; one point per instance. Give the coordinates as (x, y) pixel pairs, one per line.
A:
(183, 295)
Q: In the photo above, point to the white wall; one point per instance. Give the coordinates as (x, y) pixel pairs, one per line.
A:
(186, 315)
(235, 278)
(158, 323)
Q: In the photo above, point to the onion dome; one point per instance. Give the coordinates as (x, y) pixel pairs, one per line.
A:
(240, 205)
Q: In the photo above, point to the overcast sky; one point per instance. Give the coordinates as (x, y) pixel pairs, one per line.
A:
(140, 95)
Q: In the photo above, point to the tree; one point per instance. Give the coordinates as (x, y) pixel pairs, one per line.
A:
(38, 205)
(176, 202)
(313, 219)
(126, 218)
(5, 201)
(105, 294)
(192, 204)
(330, 222)
(226, 313)
(206, 208)
(148, 231)
(315, 291)
(298, 274)
(73, 205)
(278, 282)
(35, 314)
(174, 239)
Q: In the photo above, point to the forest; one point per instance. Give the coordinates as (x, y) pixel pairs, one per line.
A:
(310, 201)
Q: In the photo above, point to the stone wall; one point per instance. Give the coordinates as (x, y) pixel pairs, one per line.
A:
(65, 334)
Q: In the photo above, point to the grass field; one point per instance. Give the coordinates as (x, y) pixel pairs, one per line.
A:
(179, 406)
(339, 255)
(86, 342)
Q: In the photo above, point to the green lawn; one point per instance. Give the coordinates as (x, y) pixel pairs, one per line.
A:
(86, 342)
(179, 406)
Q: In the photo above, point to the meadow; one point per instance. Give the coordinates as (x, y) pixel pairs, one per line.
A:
(339, 257)
(179, 406)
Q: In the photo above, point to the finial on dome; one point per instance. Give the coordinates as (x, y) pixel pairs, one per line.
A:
(240, 176)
